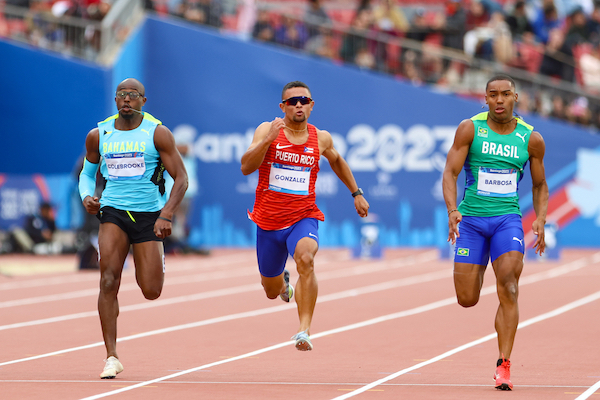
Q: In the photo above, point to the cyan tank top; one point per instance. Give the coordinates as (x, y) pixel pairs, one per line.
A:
(131, 166)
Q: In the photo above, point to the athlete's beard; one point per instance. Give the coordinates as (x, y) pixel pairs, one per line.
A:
(129, 116)
(299, 119)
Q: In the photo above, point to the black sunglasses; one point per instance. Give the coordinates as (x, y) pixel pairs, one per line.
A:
(132, 95)
(292, 101)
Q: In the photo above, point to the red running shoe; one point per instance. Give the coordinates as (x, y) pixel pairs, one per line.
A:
(502, 376)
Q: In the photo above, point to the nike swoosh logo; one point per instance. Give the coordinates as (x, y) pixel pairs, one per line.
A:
(313, 235)
(279, 146)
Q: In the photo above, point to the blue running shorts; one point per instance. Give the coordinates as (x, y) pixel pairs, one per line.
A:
(482, 237)
(273, 247)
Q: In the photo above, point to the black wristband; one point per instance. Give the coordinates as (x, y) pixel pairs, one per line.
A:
(358, 192)
(166, 219)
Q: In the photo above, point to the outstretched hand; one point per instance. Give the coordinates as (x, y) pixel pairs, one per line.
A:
(453, 219)
(540, 241)
(362, 206)
(91, 204)
(162, 228)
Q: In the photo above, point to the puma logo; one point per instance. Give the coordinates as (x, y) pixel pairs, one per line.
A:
(147, 132)
(521, 136)
(518, 240)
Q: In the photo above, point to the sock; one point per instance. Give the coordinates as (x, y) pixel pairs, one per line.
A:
(499, 362)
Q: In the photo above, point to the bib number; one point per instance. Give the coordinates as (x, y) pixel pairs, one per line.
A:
(123, 166)
(289, 179)
(493, 182)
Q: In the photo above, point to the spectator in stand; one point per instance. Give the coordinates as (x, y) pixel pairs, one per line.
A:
(546, 21)
(263, 28)
(291, 33)
(315, 17)
(579, 30)
(389, 19)
(476, 15)
(558, 57)
(36, 235)
(579, 112)
(491, 42)
(355, 47)
(590, 68)
(558, 107)
(322, 44)
(454, 27)
(594, 23)
(518, 22)
(204, 12)
(419, 27)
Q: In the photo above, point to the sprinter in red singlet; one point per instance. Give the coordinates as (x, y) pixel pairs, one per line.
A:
(286, 153)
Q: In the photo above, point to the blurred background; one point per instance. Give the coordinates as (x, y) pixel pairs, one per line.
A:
(391, 80)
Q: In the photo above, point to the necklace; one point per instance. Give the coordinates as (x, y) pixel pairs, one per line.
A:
(295, 130)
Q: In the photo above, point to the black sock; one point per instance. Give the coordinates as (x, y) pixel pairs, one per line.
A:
(499, 362)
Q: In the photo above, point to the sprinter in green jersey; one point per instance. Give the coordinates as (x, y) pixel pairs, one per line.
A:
(493, 148)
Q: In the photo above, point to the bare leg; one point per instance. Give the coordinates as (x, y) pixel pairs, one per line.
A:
(149, 274)
(468, 280)
(114, 246)
(307, 287)
(508, 268)
(273, 286)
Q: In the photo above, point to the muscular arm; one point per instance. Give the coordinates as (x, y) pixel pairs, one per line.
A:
(91, 203)
(342, 170)
(171, 158)
(454, 163)
(263, 137)
(537, 149)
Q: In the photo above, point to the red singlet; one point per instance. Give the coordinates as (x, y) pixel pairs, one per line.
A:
(286, 183)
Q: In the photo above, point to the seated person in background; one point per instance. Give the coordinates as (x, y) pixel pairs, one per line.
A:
(37, 232)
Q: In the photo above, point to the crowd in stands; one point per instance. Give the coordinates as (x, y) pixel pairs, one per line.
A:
(40, 23)
(556, 39)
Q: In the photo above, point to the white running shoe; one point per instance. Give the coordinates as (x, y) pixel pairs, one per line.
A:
(289, 293)
(302, 341)
(112, 368)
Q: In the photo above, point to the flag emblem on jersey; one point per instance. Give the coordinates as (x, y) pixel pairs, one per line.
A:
(483, 132)
(309, 150)
(462, 252)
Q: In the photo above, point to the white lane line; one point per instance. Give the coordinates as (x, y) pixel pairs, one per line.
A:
(553, 313)
(589, 392)
(552, 273)
(93, 276)
(353, 271)
(278, 383)
(331, 297)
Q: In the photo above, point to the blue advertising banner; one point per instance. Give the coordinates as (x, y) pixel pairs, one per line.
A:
(393, 135)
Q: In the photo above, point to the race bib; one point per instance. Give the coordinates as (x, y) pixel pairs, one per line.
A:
(289, 179)
(494, 182)
(122, 166)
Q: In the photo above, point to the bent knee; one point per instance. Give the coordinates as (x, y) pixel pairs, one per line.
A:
(467, 301)
(152, 294)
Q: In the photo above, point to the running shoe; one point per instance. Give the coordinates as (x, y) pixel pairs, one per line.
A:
(302, 341)
(112, 368)
(289, 292)
(502, 376)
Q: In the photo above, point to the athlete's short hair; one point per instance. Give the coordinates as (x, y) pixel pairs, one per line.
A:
(501, 77)
(293, 85)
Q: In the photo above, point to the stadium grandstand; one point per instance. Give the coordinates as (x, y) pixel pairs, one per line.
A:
(550, 48)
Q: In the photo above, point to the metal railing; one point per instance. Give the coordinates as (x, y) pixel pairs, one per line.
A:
(74, 36)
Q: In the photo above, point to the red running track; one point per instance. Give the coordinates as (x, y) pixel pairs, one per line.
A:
(383, 329)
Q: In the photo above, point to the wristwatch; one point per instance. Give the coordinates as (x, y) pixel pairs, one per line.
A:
(359, 192)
